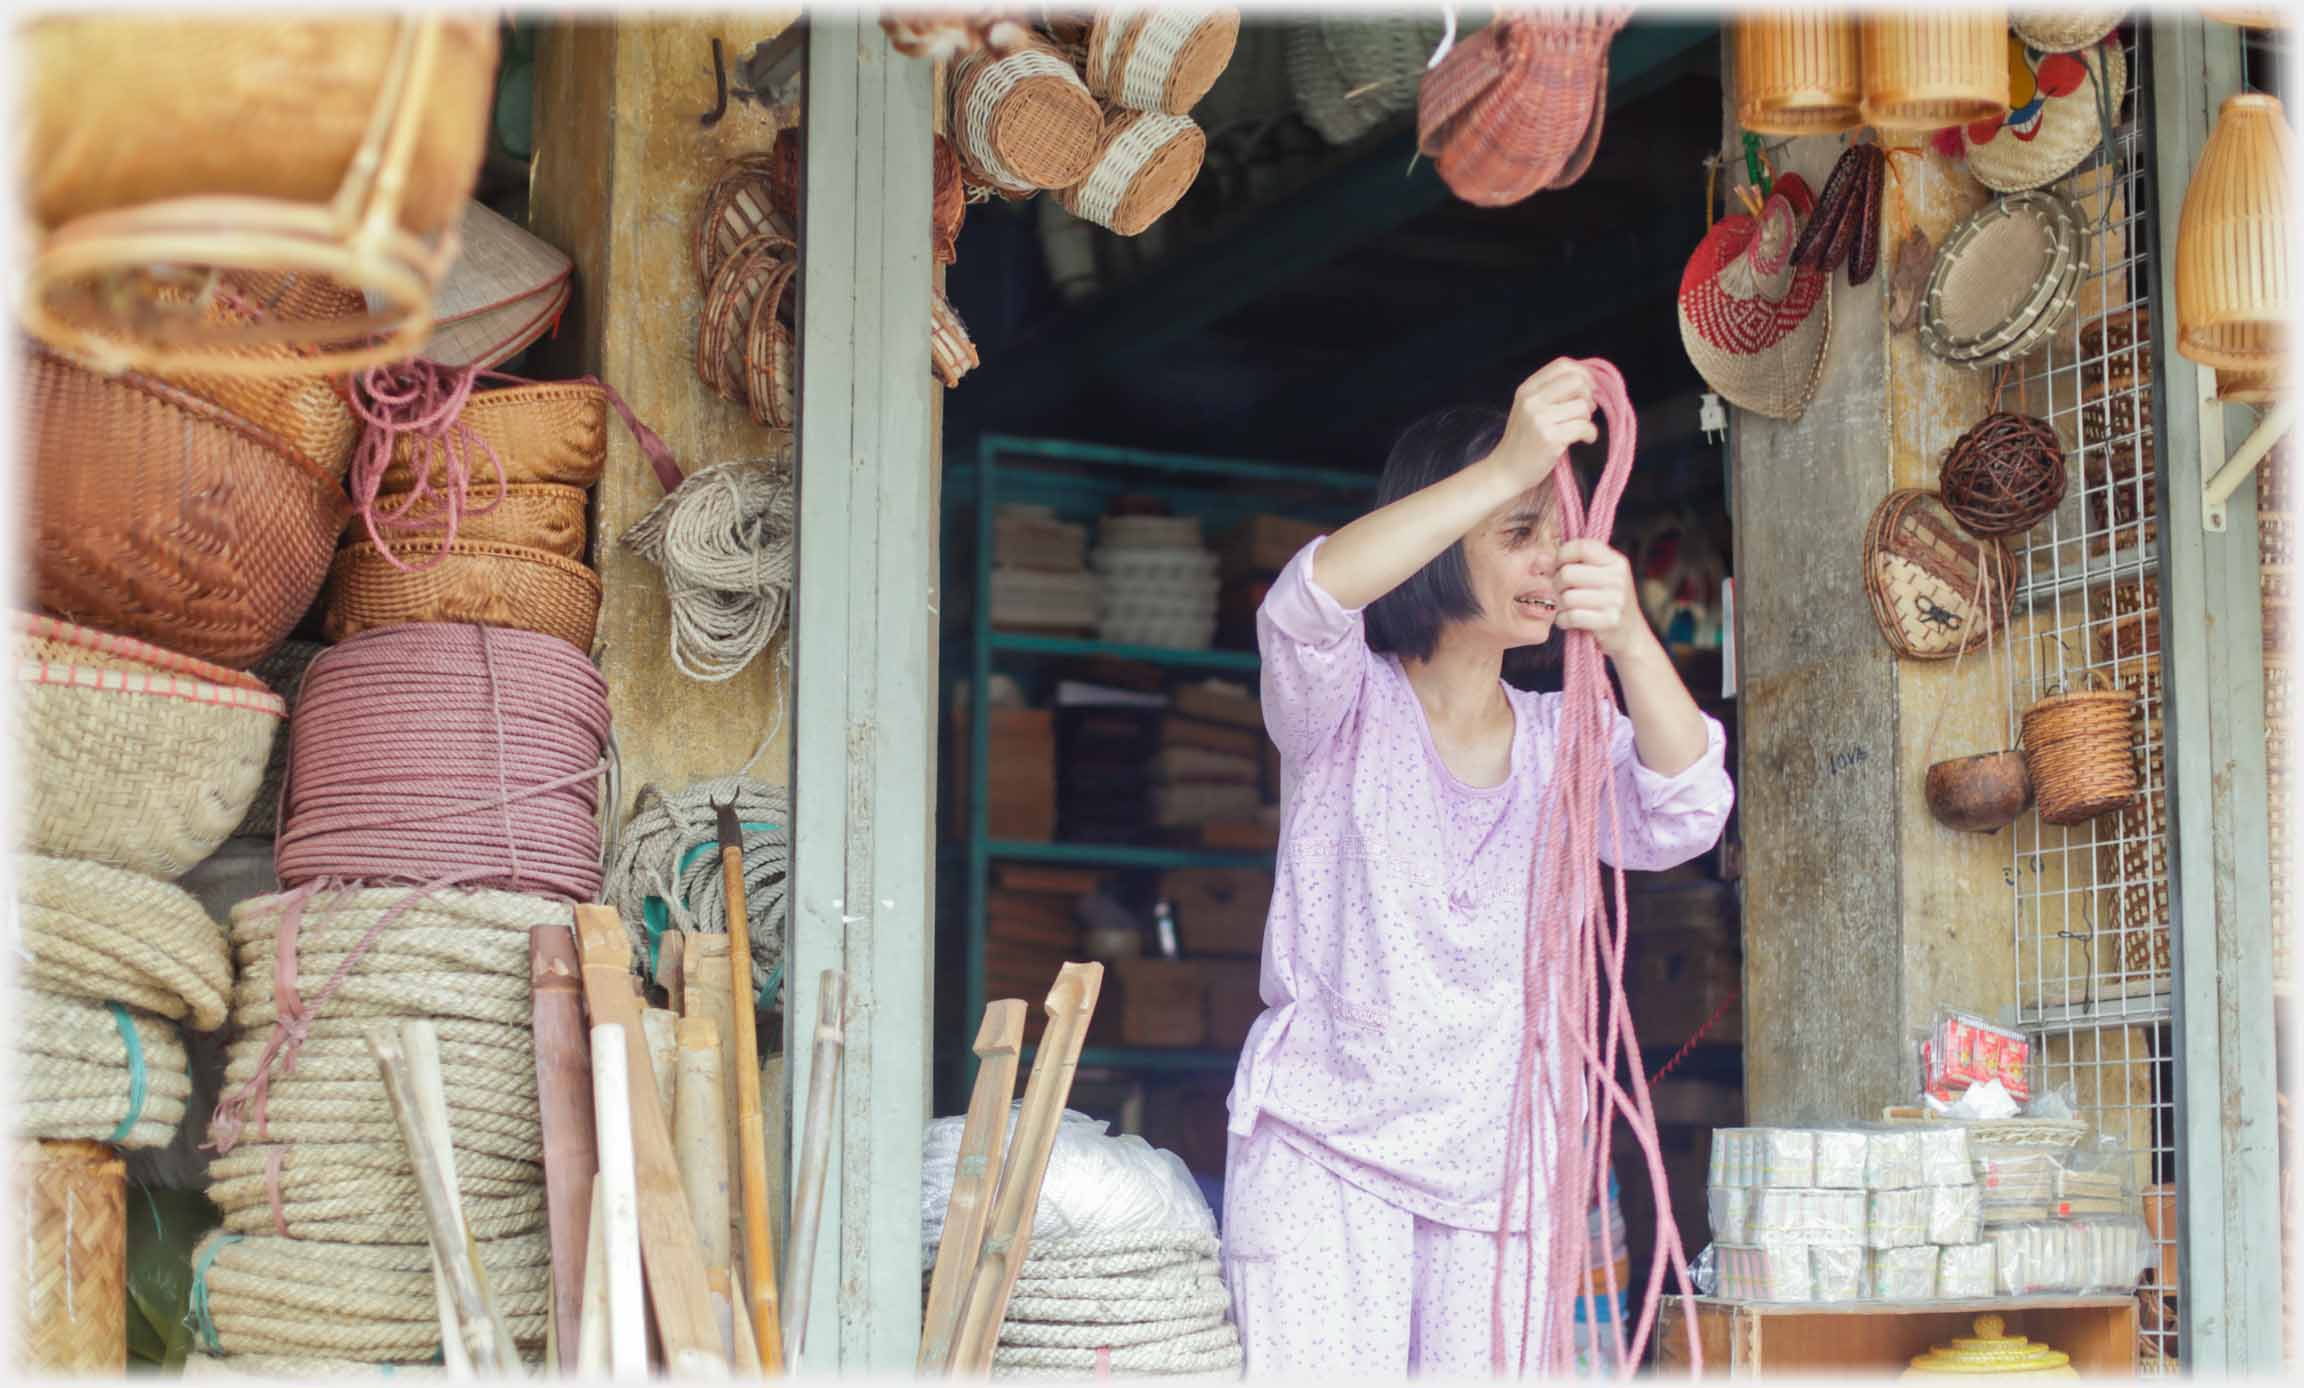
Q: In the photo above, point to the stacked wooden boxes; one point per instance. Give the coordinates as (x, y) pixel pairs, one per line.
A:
(1030, 932)
(1255, 555)
(1020, 780)
(1208, 782)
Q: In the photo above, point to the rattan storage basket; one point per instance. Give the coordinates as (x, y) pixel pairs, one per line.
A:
(489, 584)
(1024, 121)
(2079, 746)
(1797, 72)
(1145, 164)
(553, 431)
(739, 205)
(132, 755)
(1160, 58)
(2234, 294)
(71, 1203)
(538, 515)
(162, 515)
(1925, 70)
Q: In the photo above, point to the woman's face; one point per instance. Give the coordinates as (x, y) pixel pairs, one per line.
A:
(1511, 559)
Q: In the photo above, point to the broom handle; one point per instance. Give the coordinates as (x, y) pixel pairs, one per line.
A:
(619, 1204)
(759, 1238)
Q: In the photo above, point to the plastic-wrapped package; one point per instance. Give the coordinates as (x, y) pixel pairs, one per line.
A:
(1944, 1156)
(1838, 1271)
(2114, 1251)
(2019, 1184)
(1963, 1049)
(1704, 1272)
(1895, 1218)
(1955, 1214)
(1965, 1271)
(1904, 1274)
(1778, 1157)
(1096, 1184)
(2098, 1181)
(1891, 1158)
(1782, 1218)
(1764, 1274)
(1840, 1159)
(1731, 1210)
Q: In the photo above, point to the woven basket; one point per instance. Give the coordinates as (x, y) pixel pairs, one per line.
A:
(283, 673)
(538, 515)
(77, 1072)
(2279, 735)
(71, 1204)
(341, 147)
(1159, 58)
(1023, 122)
(2120, 511)
(1145, 164)
(1351, 74)
(161, 515)
(132, 755)
(1520, 105)
(2079, 748)
(772, 348)
(949, 210)
(2276, 590)
(492, 585)
(1927, 70)
(2233, 292)
(554, 431)
(763, 268)
(951, 353)
(507, 287)
(1797, 73)
(1921, 573)
(2247, 16)
(107, 934)
(738, 205)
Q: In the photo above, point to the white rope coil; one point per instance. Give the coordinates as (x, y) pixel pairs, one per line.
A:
(724, 542)
(76, 1077)
(106, 934)
(669, 850)
(1146, 1304)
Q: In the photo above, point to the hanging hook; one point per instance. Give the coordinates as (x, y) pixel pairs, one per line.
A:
(720, 88)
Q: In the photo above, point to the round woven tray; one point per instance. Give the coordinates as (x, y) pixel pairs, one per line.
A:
(2004, 279)
(1144, 165)
(771, 350)
(538, 515)
(132, 755)
(554, 431)
(724, 334)
(1159, 58)
(161, 515)
(2079, 749)
(71, 1205)
(489, 584)
(1023, 122)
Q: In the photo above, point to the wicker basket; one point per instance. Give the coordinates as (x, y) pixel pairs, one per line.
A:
(97, 1072)
(538, 515)
(553, 431)
(1145, 164)
(71, 1201)
(1921, 574)
(1927, 70)
(739, 205)
(491, 585)
(948, 210)
(2133, 863)
(132, 755)
(2233, 293)
(1023, 122)
(162, 515)
(1159, 58)
(736, 343)
(2079, 747)
(1797, 73)
(772, 348)
(342, 147)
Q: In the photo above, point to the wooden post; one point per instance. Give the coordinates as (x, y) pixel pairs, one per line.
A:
(564, 1100)
(618, 1218)
(975, 1178)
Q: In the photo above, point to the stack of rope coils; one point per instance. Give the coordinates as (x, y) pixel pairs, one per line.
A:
(1139, 1304)
(665, 871)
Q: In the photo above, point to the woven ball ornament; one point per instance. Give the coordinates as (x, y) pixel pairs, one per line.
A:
(1145, 164)
(1161, 58)
(1024, 121)
(2004, 475)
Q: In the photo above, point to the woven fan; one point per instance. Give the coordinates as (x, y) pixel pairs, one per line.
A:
(1921, 571)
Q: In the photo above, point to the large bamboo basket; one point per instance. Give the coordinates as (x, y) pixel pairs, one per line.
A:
(1798, 73)
(1926, 70)
(335, 146)
(2233, 292)
(72, 1298)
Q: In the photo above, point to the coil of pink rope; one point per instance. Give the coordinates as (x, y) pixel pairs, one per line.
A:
(1573, 992)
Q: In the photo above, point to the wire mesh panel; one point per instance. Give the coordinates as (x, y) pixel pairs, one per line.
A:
(2091, 901)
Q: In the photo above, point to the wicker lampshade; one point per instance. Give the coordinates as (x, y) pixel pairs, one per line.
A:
(2233, 295)
(2247, 16)
(1797, 73)
(1926, 71)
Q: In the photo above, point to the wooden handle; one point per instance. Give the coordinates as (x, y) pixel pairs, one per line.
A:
(1069, 1006)
(564, 1102)
(752, 1150)
(815, 1153)
(999, 1041)
(618, 1218)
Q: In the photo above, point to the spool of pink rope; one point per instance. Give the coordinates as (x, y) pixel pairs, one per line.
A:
(441, 754)
(1564, 1109)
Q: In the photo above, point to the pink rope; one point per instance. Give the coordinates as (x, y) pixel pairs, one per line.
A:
(1573, 996)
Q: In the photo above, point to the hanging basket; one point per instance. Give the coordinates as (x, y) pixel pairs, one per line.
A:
(2004, 476)
(71, 1205)
(1520, 105)
(1924, 71)
(2233, 295)
(1159, 58)
(951, 353)
(2080, 748)
(949, 211)
(2005, 279)
(1797, 73)
(1144, 165)
(1025, 121)
(764, 262)
(491, 585)
(340, 147)
(740, 204)
(1921, 573)
(1350, 73)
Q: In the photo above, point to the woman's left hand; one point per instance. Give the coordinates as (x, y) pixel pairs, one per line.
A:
(1596, 596)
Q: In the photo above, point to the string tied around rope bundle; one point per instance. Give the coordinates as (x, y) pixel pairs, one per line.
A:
(724, 541)
(1573, 981)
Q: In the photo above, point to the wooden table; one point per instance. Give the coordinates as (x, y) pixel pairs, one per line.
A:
(1747, 1339)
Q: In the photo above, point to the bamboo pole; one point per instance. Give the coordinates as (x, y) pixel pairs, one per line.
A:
(983, 1138)
(1069, 1006)
(704, 975)
(619, 1213)
(660, 1030)
(744, 1059)
(592, 1326)
(420, 1044)
(564, 1101)
(808, 1193)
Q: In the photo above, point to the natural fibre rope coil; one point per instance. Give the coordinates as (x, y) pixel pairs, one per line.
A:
(97, 1071)
(265, 1295)
(1129, 1304)
(724, 541)
(106, 934)
(668, 852)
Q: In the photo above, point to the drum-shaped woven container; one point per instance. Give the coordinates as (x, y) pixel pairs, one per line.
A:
(2234, 295)
(1928, 69)
(1023, 122)
(97, 1072)
(1797, 72)
(2079, 747)
(1145, 164)
(492, 585)
(164, 516)
(1160, 58)
(71, 1204)
(132, 755)
(553, 431)
(538, 515)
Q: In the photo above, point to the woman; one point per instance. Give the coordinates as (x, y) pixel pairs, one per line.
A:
(1366, 1155)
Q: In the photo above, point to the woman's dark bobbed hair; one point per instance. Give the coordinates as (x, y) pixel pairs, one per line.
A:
(1406, 621)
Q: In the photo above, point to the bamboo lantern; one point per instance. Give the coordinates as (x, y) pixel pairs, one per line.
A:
(1797, 73)
(2247, 16)
(1926, 71)
(2232, 291)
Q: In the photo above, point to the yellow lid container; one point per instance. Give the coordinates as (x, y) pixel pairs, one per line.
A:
(1990, 1351)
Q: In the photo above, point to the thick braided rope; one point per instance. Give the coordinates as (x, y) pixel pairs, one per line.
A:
(724, 541)
(1149, 1304)
(447, 754)
(344, 1192)
(669, 850)
(371, 1303)
(104, 933)
(75, 1077)
(300, 1368)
